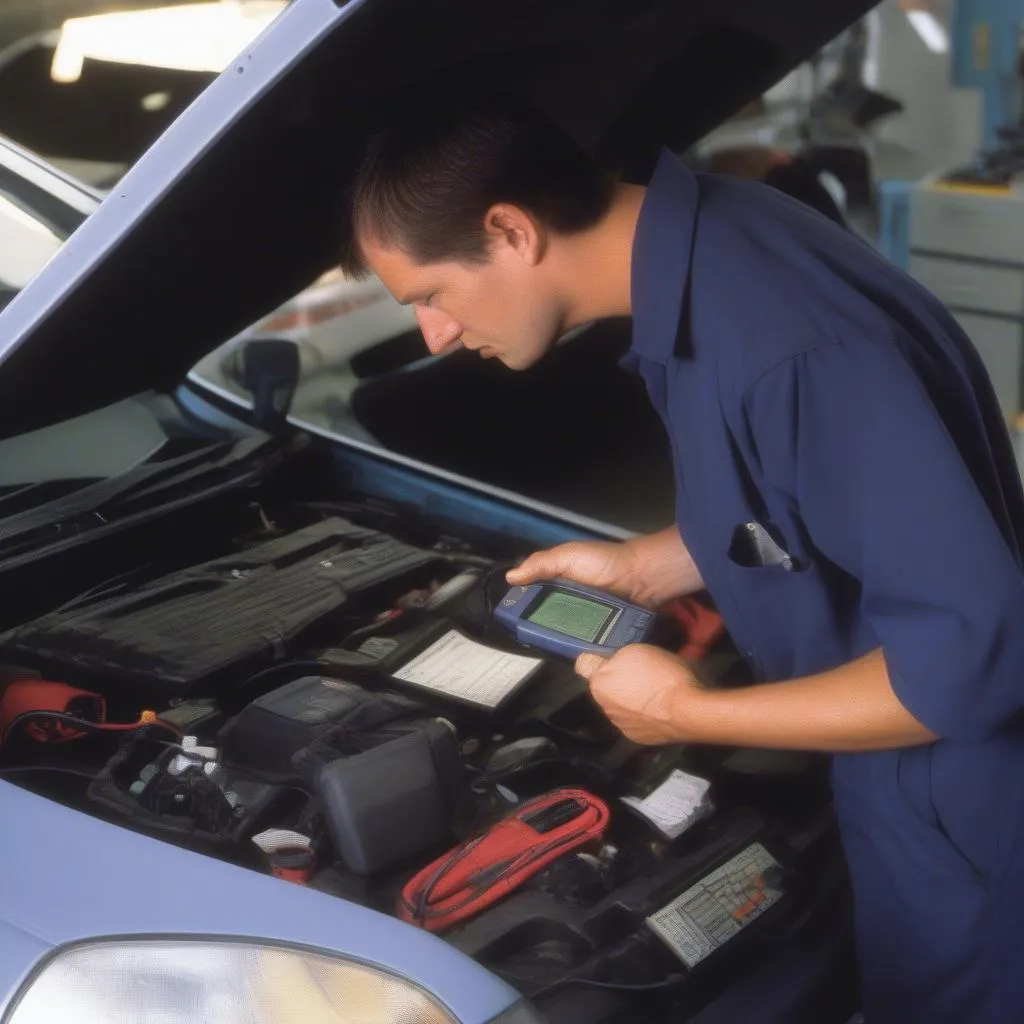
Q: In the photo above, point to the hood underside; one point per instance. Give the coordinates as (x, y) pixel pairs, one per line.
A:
(231, 212)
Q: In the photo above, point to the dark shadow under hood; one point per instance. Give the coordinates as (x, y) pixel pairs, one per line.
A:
(231, 212)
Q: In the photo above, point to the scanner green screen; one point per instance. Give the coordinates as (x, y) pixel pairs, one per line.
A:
(578, 617)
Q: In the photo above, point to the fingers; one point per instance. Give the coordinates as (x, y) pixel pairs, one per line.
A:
(587, 664)
(539, 566)
(521, 574)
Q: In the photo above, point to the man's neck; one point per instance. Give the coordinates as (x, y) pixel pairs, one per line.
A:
(598, 263)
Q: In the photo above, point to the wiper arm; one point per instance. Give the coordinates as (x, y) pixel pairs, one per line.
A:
(99, 499)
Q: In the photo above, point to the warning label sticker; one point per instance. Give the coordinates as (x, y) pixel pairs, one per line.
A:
(718, 907)
(462, 668)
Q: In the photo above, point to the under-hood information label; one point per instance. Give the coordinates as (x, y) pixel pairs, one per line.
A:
(718, 907)
(679, 802)
(459, 667)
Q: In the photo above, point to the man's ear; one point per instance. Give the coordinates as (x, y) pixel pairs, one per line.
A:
(516, 231)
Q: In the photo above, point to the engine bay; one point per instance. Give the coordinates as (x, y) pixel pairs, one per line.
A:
(318, 691)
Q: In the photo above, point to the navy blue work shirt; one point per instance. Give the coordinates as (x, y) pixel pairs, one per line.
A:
(811, 389)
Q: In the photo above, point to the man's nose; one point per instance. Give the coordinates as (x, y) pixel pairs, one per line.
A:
(440, 331)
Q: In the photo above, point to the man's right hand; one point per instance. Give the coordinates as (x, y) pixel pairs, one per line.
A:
(646, 570)
(605, 565)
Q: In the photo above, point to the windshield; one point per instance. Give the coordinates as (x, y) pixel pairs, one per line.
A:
(597, 451)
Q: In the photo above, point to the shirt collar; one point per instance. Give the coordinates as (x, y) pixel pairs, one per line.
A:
(662, 250)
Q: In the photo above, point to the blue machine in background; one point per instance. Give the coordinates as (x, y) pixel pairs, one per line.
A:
(986, 53)
(894, 221)
(960, 231)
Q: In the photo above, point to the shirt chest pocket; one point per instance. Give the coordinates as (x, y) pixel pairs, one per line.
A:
(774, 583)
(748, 540)
(757, 545)
(766, 569)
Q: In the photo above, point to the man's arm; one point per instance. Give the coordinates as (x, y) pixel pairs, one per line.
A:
(654, 698)
(852, 437)
(665, 568)
(883, 474)
(851, 708)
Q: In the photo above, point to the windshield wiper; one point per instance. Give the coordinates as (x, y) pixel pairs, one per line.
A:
(144, 490)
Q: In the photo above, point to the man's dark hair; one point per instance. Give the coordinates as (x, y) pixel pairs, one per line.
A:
(432, 171)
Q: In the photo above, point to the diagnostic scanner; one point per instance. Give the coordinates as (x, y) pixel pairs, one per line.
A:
(567, 618)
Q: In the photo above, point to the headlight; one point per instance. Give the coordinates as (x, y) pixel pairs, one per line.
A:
(185, 982)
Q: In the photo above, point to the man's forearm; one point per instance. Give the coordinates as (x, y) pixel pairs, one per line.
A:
(665, 569)
(852, 708)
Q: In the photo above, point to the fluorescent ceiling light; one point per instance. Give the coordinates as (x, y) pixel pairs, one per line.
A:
(931, 31)
(193, 37)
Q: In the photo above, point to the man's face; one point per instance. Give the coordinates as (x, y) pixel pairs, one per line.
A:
(506, 308)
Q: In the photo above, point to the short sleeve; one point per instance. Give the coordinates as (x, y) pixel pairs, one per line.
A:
(851, 434)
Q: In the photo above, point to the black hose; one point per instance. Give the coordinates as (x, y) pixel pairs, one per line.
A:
(671, 981)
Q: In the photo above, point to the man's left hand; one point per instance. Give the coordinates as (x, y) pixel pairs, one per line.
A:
(645, 691)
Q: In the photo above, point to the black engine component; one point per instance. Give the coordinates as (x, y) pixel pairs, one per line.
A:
(271, 730)
(398, 800)
(239, 613)
(198, 716)
(157, 788)
(389, 778)
(520, 755)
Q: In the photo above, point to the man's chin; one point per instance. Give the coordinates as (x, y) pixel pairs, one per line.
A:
(516, 362)
(525, 359)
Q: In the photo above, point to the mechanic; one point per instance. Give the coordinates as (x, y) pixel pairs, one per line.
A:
(846, 492)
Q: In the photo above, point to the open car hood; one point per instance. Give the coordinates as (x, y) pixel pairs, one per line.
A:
(231, 212)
